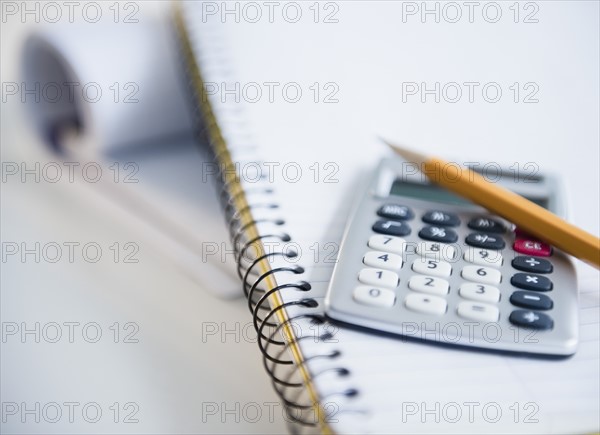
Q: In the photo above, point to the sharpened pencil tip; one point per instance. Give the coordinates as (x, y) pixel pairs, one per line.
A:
(406, 154)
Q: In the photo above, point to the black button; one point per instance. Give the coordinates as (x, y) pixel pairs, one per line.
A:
(532, 264)
(392, 228)
(535, 301)
(529, 281)
(395, 211)
(486, 225)
(531, 319)
(437, 217)
(438, 234)
(485, 241)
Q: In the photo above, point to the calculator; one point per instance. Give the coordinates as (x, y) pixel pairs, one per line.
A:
(421, 262)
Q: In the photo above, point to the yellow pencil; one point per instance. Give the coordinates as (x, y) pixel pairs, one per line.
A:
(528, 216)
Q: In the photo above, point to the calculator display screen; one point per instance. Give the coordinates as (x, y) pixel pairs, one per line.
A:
(428, 192)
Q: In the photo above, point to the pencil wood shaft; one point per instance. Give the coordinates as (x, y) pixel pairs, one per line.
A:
(527, 215)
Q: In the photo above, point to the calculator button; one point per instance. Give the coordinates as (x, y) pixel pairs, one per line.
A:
(393, 228)
(387, 244)
(437, 217)
(384, 260)
(486, 225)
(429, 284)
(535, 301)
(438, 234)
(429, 266)
(373, 296)
(378, 277)
(478, 311)
(436, 250)
(483, 257)
(485, 241)
(426, 304)
(532, 247)
(481, 274)
(529, 281)
(479, 292)
(532, 264)
(395, 211)
(531, 319)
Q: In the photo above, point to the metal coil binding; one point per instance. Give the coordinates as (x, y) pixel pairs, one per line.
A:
(273, 344)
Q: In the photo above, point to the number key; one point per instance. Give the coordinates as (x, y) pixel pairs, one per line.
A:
(479, 292)
(383, 260)
(429, 284)
(484, 257)
(378, 277)
(387, 243)
(428, 266)
(481, 274)
(373, 296)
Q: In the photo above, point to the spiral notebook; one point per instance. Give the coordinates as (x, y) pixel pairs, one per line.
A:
(286, 226)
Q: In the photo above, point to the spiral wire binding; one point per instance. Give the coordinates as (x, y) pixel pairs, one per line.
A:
(273, 343)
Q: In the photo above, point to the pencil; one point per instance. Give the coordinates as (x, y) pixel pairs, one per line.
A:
(527, 215)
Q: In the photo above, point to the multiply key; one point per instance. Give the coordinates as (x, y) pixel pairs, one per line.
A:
(531, 282)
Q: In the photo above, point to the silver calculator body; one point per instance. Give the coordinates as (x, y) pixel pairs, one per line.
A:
(418, 261)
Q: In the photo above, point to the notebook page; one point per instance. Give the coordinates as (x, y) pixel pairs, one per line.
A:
(368, 54)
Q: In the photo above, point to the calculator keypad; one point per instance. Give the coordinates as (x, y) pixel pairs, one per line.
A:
(437, 264)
